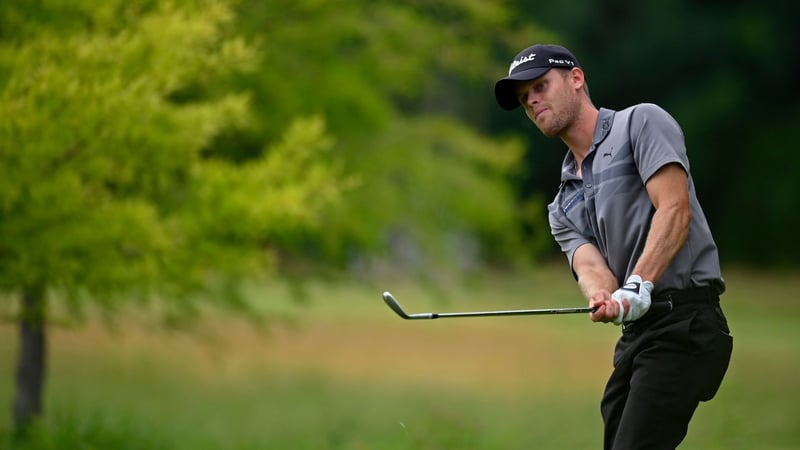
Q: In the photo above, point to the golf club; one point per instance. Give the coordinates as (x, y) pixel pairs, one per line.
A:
(392, 302)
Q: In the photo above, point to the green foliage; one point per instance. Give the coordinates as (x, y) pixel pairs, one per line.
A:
(104, 183)
(437, 184)
(404, 88)
(138, 138)
(354, 60)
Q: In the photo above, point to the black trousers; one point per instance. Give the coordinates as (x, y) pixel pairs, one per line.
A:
(663, 367)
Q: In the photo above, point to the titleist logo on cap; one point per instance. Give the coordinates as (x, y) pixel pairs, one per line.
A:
(522, 60)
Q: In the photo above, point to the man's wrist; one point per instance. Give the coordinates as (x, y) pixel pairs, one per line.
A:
(637, 293)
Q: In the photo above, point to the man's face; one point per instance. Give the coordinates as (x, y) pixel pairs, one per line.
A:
(550, 101)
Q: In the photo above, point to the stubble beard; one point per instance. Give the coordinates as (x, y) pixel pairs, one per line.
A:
(555, 126)
(562, 119)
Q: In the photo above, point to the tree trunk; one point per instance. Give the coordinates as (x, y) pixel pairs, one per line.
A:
(30, 371)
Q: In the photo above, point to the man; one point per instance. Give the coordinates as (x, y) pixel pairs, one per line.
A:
(627, 218)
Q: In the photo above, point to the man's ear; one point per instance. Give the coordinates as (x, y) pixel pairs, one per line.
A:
(577, 78)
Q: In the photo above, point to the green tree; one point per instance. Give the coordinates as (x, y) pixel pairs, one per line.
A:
(406, 88)
(107, 190)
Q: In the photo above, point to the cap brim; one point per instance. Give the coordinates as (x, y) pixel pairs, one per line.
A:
(505, 90)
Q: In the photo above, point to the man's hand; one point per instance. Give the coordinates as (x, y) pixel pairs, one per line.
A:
(607, 309)
(633, 299)
(626, 304)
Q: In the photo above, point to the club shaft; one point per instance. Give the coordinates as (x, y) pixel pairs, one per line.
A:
(395, 306)
(516, 312)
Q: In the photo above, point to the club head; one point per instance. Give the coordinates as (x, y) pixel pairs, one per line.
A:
(392, 302)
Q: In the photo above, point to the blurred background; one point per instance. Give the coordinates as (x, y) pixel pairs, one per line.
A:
(201, 202)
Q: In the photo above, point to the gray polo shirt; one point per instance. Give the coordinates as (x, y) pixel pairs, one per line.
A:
(610, 208)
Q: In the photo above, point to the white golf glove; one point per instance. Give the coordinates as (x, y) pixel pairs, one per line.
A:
(637, 292)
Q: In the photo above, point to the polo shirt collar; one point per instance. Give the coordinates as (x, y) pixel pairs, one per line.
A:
(605, 118)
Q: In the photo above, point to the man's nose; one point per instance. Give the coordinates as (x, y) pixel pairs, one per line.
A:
(531, 99)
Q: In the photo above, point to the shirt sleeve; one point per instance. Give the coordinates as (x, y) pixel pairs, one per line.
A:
(657, 140)
(567, 238)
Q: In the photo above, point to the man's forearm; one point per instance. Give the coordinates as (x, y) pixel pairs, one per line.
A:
(592, 271)
(668, 190)
(591, 281)
(668, 232)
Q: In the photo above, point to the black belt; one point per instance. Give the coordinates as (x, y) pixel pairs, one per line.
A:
(703, 294)
(665, 302)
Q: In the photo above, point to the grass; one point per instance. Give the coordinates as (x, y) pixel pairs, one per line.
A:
(344, 373)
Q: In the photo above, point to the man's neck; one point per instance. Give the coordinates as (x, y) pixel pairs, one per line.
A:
(580, 136)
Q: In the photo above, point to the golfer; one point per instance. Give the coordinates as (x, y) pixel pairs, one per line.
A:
(637, 241)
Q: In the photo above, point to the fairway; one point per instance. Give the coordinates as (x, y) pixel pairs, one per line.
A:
(344, 372)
